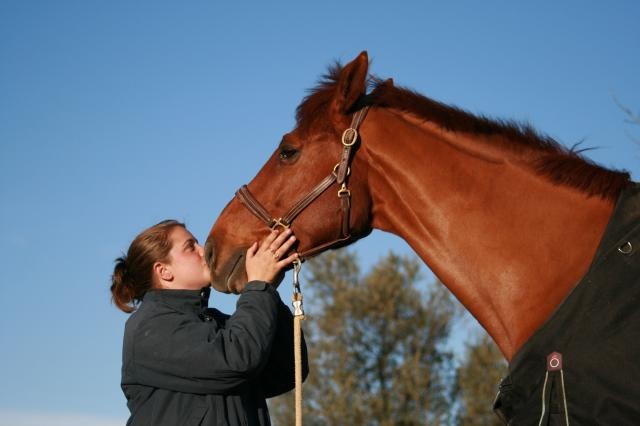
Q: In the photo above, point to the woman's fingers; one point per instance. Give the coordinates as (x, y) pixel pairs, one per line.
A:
(263, 258)
(277, 247)
(277, 242)
(286, 245)
(287, 261)
(251, 251)
(269, 239)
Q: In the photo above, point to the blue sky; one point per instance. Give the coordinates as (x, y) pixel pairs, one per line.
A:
(115, 115)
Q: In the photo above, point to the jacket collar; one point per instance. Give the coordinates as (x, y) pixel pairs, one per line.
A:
(181, 300)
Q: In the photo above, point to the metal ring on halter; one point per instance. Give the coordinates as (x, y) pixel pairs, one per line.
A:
(349, 131)
(335, 169)
(344, 191)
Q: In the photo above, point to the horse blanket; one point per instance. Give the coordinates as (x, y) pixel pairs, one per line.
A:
(582, 367)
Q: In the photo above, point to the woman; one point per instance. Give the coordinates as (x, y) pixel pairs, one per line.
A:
(186, 364)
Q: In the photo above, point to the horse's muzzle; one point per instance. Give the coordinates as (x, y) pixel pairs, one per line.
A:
(209, 257)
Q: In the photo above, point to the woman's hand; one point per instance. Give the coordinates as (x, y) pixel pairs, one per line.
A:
(263, 259)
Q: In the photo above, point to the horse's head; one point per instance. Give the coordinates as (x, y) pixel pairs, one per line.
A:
(306, 163)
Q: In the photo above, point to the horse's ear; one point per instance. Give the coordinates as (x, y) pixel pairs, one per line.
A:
(352, 83)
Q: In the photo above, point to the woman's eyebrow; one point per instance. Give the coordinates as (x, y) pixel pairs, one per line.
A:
(189, 241)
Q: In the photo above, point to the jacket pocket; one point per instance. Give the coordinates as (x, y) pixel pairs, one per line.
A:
(503, 403)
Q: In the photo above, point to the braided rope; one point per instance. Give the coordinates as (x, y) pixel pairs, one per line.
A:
(298, 315)
(298, 367)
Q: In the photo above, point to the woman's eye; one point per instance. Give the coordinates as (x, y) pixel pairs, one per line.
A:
(287, 153)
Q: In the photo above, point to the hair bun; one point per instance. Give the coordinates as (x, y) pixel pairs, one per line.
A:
(121, 285)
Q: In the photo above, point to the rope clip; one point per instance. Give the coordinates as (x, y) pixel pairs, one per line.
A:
(298, 311)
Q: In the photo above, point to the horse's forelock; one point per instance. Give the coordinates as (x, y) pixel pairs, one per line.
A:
(312, 111)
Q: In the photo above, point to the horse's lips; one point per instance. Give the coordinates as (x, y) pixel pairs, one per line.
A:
(232, 273)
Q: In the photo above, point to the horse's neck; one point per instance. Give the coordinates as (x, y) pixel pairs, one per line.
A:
(508, 243)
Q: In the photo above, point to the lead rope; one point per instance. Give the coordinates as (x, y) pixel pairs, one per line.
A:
(298, 315)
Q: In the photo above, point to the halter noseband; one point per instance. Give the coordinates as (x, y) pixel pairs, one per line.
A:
(338, 174)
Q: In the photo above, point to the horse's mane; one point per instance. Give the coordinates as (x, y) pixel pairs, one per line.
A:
(548, 157)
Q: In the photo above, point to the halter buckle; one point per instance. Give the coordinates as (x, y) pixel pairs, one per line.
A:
(279, 222)
(349, 136)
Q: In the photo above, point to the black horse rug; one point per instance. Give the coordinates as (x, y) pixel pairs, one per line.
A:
(582, 367)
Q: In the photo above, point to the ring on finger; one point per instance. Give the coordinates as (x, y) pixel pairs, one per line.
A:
(275, 254)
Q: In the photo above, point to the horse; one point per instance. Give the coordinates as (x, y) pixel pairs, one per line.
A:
(510, 221)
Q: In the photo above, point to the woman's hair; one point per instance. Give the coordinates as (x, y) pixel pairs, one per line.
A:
(133, 274)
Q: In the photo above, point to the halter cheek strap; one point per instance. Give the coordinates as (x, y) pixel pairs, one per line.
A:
(338, 174)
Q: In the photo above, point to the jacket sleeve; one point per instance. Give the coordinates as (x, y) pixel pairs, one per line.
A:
(278, 376)
(174, 352)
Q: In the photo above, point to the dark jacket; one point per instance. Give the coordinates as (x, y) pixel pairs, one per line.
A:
(186, 364)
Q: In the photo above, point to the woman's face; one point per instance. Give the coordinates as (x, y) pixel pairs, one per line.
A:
(186, 261)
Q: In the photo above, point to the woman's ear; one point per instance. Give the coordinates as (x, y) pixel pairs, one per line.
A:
(162, 272)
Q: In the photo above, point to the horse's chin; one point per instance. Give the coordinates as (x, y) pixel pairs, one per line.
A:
(232, 276)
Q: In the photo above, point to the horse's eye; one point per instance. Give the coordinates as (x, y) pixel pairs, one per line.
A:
(287, 153)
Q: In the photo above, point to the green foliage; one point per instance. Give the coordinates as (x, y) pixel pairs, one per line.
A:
(376, 344)
(378, 349)
(477, 381)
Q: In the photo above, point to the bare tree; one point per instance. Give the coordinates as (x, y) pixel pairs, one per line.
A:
(631, 118)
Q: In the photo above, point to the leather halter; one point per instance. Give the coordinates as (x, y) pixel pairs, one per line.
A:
(338, 174)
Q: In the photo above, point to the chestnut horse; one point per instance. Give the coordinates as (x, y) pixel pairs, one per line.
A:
(507, 219)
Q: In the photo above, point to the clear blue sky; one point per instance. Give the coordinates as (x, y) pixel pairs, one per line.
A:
(117, 114)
